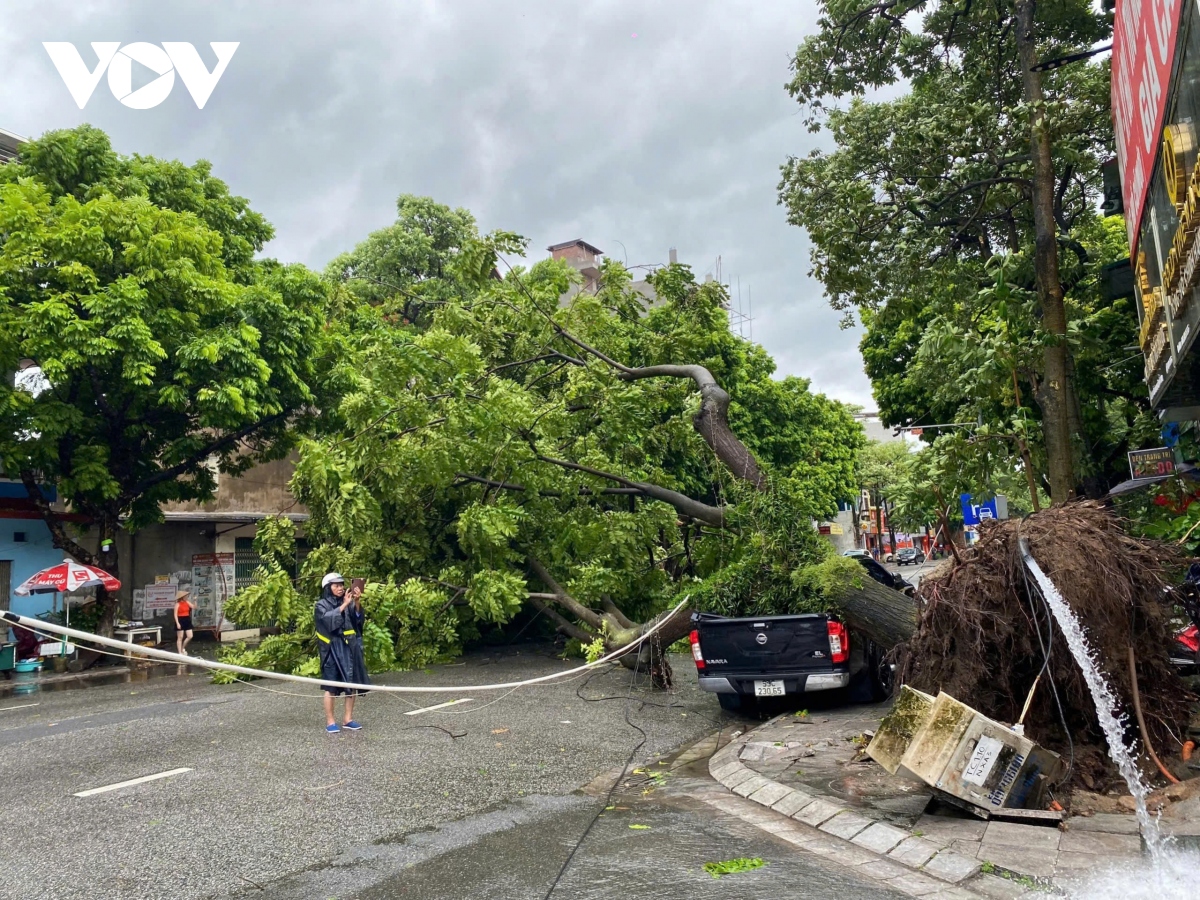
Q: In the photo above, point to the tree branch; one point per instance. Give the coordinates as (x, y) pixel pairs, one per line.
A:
(568, 628)
(684, 505)
(562, 598)
(199, 456)
(510, 486)
(53, 523)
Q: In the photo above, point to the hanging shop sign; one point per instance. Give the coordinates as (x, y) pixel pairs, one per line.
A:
(1144, 35)
(1152, 463)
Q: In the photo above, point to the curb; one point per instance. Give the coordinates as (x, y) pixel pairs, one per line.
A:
(835, 819)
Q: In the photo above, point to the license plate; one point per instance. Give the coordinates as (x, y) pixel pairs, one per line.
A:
(768, 689)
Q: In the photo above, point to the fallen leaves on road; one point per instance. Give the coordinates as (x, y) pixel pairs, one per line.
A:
(499, 731)
(640, 827)
(732, 866)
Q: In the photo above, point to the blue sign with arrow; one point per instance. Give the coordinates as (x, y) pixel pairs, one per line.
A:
(974, 513)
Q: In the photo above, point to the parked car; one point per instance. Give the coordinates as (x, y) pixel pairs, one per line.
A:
(746, 660)
(883, 576)
(909, 556)
(857, 554)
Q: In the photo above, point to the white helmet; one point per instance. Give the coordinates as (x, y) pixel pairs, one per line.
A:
(332, 578)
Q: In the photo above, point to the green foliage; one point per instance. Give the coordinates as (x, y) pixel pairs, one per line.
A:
(171, 353)
(733, 866)
(934, 252)
(449, 459)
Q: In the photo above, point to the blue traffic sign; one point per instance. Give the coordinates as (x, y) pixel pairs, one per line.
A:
(974, 513)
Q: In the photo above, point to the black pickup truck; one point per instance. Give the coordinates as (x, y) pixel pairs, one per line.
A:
(744, 661)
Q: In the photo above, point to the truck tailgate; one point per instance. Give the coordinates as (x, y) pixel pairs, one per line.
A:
(765, 645)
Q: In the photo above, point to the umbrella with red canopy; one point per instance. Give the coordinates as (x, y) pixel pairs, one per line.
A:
(67, 576)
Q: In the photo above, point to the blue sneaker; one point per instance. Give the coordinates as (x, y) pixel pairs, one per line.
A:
(352, 726)
(332, 729)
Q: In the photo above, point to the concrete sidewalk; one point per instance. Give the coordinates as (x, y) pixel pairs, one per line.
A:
(813, 768)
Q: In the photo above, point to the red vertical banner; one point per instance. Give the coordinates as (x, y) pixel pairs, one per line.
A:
(1144, 37)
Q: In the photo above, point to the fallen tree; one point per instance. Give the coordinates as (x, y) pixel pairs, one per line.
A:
(505, 457)
(986, 637)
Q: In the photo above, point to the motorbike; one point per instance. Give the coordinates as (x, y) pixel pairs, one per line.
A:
(1185, 647)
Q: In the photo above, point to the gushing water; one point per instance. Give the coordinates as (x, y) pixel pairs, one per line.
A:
(1111, 720)
(1169, 872)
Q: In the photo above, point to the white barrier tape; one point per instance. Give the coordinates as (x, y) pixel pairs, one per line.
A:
(155, 653)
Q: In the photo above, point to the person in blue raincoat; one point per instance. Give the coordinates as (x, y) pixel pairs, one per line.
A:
(339, 620)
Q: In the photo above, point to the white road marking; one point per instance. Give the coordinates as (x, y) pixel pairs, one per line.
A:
(131, 782)
(414, 712)
(24, 706)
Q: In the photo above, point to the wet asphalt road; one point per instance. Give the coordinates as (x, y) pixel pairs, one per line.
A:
(516, 853)
(482, 804)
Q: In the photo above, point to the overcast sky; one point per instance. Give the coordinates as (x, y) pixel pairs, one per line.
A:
(636, 126)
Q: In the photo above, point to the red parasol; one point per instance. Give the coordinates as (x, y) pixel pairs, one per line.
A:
(67, 576)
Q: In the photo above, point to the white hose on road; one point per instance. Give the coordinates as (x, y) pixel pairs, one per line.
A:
(155, 653)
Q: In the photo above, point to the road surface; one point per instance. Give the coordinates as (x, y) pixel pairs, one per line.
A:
(239, 792)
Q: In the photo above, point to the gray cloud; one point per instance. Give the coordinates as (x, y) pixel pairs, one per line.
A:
(550, 119)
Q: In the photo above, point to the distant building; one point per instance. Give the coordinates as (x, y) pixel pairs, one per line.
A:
(9, 145)
(585, 258)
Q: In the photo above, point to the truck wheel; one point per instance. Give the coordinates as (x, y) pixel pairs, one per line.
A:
(883, 675)
(736, 703)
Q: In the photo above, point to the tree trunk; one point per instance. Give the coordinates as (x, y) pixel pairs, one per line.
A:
(883, 614)
(106, 559)
(1056, 396)
(878, 524)
(891, 528)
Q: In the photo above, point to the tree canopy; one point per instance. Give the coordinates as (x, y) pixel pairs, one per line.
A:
(956, 216)
(595, 460)
(167, 351)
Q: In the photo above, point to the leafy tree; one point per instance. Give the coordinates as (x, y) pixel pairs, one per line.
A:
(168, 352)
(978, 157)
(880, 466)
(595, 461)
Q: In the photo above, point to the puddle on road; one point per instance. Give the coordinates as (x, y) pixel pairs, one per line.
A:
(24, 684)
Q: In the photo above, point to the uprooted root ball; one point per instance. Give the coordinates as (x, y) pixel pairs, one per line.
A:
(977, 638)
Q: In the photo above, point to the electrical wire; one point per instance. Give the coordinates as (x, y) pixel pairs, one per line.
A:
(25, 622)
(612, 790)
(1047, 645)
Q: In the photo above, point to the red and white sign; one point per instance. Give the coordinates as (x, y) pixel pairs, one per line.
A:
(1143, 49)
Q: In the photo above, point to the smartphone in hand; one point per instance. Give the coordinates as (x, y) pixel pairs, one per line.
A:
(358, 584)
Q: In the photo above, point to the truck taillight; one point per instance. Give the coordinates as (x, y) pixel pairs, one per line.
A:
(839, 642)
(697, 655)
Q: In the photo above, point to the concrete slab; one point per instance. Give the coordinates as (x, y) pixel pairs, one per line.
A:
(949, 828)
(1101, 843)
(884, 869)
(1010, 834)
(954, 893)
(792, 802)
(846, 825)
(849, 855)
(1110, 822)
(967, 848)
(737, 777)
(1069, 860)
(726, 770)
(950, 866)
(996, 888)
(880, 837)
(917, 885)
(749, 786)
(914, 851)
(770, 793)
(1023, 860)
(817, 812)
